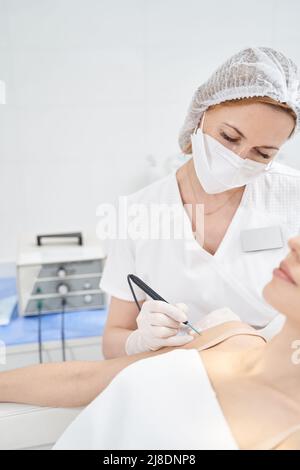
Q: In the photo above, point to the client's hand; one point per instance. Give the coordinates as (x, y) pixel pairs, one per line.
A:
(158, 326)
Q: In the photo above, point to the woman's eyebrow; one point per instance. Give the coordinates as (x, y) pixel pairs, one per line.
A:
(242, 135)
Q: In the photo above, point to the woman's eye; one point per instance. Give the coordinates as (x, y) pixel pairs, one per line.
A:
(264, 155)
(226, 137)
(230, 139)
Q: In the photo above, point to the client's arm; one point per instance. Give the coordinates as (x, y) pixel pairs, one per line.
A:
(66, 384)
(73, 384)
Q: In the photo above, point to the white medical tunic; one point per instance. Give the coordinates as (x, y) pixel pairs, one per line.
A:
(180, 270)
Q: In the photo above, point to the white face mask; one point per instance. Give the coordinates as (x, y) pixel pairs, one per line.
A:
(218, 168)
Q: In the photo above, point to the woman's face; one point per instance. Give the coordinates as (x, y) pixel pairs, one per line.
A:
(253, 130)
(283, 292)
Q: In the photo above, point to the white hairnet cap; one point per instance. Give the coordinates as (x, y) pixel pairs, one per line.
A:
(254, 71)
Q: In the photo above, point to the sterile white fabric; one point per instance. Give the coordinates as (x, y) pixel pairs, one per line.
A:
(253, 71)
(163, 402)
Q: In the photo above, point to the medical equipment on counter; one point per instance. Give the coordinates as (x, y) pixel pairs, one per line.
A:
(48, 273)
(142, 285)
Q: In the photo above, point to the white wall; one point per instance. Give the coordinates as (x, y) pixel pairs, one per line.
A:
(94, 86)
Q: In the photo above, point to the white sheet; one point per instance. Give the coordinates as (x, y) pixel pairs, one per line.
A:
(163, 402)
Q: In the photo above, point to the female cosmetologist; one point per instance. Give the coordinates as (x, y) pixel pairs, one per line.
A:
(236, 124)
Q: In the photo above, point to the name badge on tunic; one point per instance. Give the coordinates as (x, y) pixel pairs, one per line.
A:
(259, 239)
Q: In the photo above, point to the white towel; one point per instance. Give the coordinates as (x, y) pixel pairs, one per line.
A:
(162, 402)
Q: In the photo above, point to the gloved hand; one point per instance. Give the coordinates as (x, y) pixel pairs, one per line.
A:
(158, 324)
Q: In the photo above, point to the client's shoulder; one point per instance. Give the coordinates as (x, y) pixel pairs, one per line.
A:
(231, 335)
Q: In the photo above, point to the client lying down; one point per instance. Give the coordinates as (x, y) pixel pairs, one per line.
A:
(227, 389)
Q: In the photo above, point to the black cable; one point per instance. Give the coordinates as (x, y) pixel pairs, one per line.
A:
(63, 339)
(132, 291)
(145, 288)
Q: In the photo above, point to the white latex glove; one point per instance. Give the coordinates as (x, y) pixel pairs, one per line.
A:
(158, 326)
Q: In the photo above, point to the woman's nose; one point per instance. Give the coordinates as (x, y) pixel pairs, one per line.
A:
(243, 152)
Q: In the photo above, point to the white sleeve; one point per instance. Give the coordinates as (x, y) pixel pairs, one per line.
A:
(119, 263)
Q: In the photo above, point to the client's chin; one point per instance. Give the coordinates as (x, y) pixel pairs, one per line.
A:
(283, 296)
